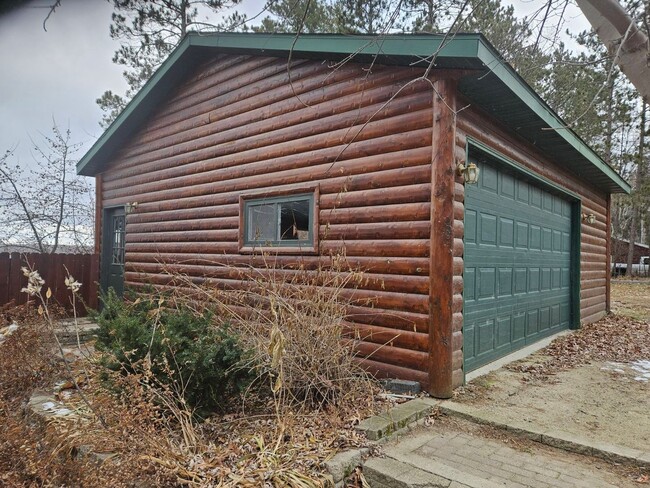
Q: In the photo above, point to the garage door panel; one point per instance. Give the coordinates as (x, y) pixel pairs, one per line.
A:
(489, 178)
(503, 331)
(519, 327)
(505, 282)
(532, 322)
(469, 338)
(521, 235)
(485, 341)
(565, 314)
(506, 232)
(469, 284)
(470, 226)
(517, 265)
(486, 283)
(488, 225)
(555, 315)
(545, 318)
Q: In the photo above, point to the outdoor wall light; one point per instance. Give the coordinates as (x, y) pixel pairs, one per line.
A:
(589, 218)
(130, 207)
(469, 172)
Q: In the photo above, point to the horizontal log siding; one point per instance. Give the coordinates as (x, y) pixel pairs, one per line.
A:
(593, 248)
(235, 126)
(457, 376)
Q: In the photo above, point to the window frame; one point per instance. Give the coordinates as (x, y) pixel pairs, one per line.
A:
(279, 196)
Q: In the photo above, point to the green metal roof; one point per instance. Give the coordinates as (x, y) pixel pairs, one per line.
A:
(494, 86)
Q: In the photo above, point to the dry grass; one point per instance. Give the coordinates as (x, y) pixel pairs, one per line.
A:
(632, 299)
(155, 437)
(28, 451)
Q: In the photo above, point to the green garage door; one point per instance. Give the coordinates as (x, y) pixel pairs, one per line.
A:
(517, 265)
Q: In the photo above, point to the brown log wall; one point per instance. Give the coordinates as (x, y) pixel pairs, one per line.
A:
(443, 243)
(593, 252)
(236, 126)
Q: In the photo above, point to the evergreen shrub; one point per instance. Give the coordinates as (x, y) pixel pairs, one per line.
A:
(194, 353)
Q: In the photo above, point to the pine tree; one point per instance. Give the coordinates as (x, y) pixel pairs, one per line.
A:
(148, 31)
(305, 16)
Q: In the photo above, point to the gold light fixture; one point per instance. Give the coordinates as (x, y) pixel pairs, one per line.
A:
(589, 218)
(130, 207)
(469, 173)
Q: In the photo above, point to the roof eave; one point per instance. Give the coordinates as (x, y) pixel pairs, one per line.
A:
(412, 50)
(507, 75)
(90, 163)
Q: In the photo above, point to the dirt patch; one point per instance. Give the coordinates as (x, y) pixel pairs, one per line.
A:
(601, 402)
(592, 384)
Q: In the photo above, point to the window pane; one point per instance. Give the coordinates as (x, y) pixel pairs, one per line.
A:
(262, 223)
(118, 240)
(294, 220)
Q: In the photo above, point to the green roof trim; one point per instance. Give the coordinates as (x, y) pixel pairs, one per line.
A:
(521, 89)
(497, 88)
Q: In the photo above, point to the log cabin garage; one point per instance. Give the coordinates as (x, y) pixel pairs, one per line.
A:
(481, 219)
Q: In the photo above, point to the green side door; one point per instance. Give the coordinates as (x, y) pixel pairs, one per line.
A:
(112, 255)
(517, 258)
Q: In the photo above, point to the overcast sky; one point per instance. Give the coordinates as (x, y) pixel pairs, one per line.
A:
(60, 73)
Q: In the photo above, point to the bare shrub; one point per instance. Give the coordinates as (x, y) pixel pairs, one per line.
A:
(294, 322)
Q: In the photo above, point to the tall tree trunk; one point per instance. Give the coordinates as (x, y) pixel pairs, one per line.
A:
(184, 8)
(631, 241)
(640, 173)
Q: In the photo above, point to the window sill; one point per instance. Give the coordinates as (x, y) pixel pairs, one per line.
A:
(295, 250)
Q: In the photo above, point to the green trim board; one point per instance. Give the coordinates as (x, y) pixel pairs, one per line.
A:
(335, 45)
(576, 241)
(475, 144)
(531, 117)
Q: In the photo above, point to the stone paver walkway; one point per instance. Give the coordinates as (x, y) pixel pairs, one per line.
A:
(66, 330)
(440, 457)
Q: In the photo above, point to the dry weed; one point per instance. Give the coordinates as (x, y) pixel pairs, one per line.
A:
(29, 451)
(294, 322)
(235, 450)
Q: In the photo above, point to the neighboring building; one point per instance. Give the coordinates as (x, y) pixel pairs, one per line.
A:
(225, 153)
(620, 248)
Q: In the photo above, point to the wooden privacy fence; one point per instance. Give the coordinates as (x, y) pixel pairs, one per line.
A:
(52, 268)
